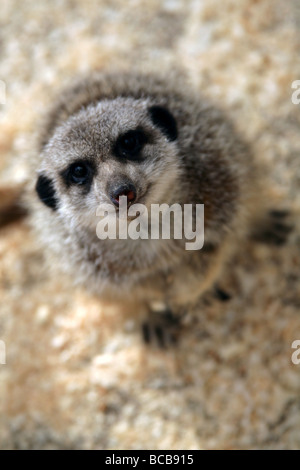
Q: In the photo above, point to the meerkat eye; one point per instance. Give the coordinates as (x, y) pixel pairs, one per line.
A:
(79, 173)
(130, 144)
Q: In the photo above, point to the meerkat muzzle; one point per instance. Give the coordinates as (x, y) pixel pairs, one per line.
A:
(127, 190)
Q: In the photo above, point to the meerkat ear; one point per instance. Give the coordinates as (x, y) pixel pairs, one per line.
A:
(165, 121)
(46, 192)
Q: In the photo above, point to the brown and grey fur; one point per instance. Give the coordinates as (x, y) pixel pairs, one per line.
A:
(207, 163)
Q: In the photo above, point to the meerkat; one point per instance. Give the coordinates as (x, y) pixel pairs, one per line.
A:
(154, 140)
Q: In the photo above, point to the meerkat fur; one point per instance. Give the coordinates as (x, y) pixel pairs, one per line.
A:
(189, 153)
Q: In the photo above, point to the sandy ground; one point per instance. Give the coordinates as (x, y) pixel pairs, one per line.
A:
(77, 374)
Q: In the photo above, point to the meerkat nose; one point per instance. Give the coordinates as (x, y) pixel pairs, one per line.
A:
(127, 190)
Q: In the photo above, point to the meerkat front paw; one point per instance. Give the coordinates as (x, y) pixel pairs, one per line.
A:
(275, 230)
(11, 207)
(161, 328)
(221, 294)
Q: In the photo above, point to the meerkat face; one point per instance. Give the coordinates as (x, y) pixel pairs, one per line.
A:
(113, 148)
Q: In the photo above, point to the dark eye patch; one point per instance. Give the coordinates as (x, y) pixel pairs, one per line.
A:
(130, 144)
(79, 173)
(46, 192)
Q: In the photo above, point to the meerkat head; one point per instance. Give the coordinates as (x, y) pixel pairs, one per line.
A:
(119, 147)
